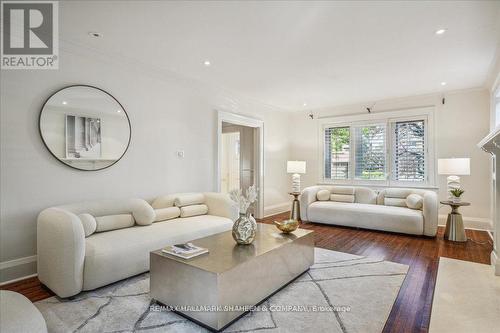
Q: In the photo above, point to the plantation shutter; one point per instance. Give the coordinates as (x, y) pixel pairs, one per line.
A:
(337, 152)
(370, 152)
(409, 151)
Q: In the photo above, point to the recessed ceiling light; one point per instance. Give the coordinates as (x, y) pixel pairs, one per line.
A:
(207, 63)
(64, 102)
(304, 104)
(440, 31)
(118, 111)
(443, 83)
(95, 34)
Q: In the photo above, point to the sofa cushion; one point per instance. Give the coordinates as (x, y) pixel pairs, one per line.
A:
(194, 210)
(387, 218)
(397, 202)
(164, 201)
(323, 195)
(141, 210)
(112, 256)
(163, 214)
(342, 197)
(414, 201)
(113, 222)
(365, 195)
(397, 192)
(89, 224)
(189, 199)
(348, 190)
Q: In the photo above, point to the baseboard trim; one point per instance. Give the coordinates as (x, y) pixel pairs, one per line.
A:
(277, 209)
(474, 223)
(18, 279)
(17, 262)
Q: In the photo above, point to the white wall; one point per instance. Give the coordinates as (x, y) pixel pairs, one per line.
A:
(460, 124)
(167, 113)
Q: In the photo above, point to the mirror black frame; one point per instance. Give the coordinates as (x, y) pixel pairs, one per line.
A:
(88, 86)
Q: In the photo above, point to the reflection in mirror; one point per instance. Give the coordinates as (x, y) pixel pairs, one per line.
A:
(85, 127)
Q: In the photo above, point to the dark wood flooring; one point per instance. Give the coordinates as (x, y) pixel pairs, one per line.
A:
(412, 309)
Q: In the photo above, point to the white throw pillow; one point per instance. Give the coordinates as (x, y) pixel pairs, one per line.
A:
(142, 212)
(342, 198)
(89, 224)
(189, 199)
(164, 201)
(112, 222)
(397, 202)
(414, 201)
(169, 213)
(323, 195)
(194, 210)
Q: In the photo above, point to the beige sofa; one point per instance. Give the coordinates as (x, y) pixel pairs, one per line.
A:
(403, 210)
(88, 245)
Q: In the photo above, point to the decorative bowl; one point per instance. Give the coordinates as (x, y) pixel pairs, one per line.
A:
(287, 225)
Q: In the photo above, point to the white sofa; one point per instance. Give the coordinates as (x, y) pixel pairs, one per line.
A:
(402, 210)
(88, 245)
(18, 314)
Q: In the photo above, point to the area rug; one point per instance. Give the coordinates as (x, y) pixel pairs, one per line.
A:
(340, 293)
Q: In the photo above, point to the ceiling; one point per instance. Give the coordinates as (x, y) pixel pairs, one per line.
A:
(286, 54)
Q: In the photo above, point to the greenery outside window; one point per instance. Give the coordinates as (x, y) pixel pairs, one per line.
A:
(387, 151)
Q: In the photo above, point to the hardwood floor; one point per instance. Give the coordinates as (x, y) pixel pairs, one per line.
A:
(412, 309)
(31, 288)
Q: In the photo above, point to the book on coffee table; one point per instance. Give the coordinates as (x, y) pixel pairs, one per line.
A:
(185, 251)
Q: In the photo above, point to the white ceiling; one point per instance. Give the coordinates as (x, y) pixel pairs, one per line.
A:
(287, 53)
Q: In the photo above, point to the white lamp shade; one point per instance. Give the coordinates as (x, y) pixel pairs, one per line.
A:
(454, 166)
(296, 167)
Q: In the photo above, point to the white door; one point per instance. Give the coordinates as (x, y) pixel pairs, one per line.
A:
(230, 168)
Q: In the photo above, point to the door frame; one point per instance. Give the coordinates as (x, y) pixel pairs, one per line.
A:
(237, 119)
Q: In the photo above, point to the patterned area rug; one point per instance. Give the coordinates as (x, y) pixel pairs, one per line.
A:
(340, 293)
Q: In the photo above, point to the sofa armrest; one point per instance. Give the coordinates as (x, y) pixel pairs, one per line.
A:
(307, 197)
(219, 204)
(430, 211)
(61, 251)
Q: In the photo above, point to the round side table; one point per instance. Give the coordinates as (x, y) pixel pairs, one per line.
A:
(454, 224)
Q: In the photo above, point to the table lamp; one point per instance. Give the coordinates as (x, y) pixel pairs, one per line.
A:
(296, 168)
(454, 167)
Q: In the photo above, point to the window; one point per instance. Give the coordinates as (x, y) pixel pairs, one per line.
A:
(383, 151)
(337, 152)
(409, 151)
(370, 152)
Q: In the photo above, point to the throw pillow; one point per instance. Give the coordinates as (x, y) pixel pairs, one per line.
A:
(414, 201)
(323, 195)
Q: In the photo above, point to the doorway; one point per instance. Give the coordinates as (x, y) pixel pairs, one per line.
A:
(240, 160)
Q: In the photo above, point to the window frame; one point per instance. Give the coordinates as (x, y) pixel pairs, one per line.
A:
(389, 119)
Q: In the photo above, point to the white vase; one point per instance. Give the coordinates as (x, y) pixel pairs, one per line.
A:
(456, 199)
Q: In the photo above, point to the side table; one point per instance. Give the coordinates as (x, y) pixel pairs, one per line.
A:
(295, 212)
(454, 224)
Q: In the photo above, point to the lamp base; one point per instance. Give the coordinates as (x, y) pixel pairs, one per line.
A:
(296, 183)
(453, 182)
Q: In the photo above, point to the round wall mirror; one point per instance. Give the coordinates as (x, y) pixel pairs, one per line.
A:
(84, 127)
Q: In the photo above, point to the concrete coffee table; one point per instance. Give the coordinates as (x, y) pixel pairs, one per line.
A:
(230, 278)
